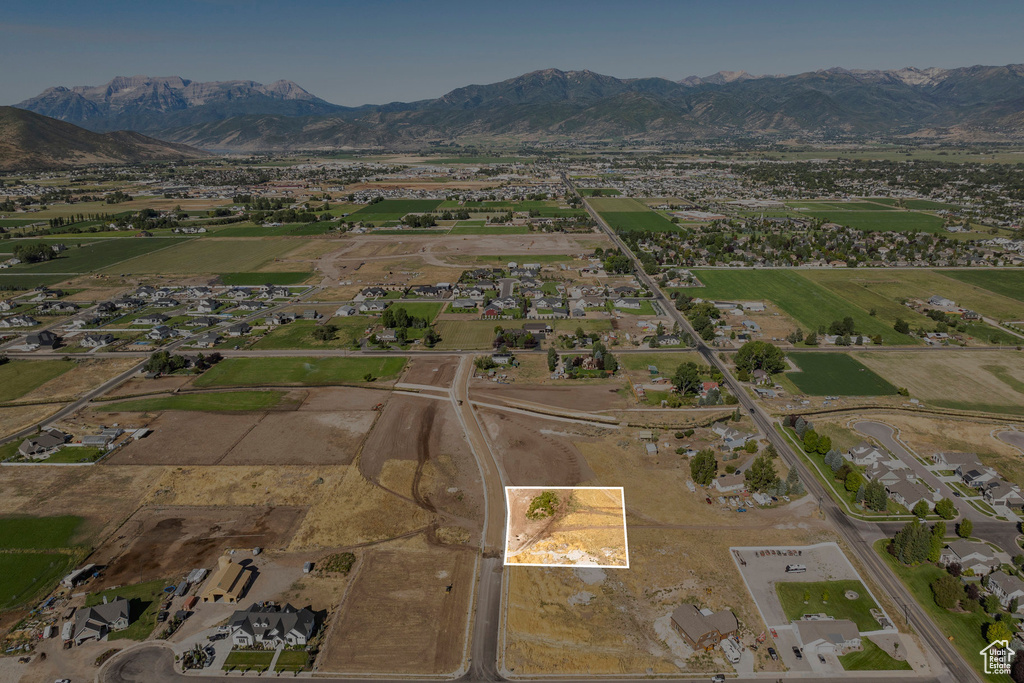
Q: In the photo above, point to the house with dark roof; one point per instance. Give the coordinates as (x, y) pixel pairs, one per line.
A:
(43, 339)
(703, 629)
(100, 620)
(828, 636)
(272, 626)
(1006, 587)
(44, 444)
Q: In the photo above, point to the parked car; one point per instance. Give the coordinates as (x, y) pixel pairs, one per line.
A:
(708, 501)
(821, 658)
(796, 651)
(718, 678)
(773, 654)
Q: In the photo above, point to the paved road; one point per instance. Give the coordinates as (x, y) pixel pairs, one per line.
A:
(855, 533)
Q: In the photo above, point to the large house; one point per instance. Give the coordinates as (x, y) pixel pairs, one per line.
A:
(731, 437)
(864, 454)
(973, 555)
(272, 626)
(43, 445)
(730, 483)
(99, 620)
(1006, 588)
(908, 493)
(43, 339)
(702, 629)
(828, 636)
(228, 584)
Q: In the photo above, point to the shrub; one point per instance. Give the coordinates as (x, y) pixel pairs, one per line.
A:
(947, 591)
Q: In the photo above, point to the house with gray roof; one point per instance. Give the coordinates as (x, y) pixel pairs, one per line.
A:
(1006, 588)
(44, 444)
(272, 626)
(828, 636)
(973, 555)
(703, 629)
(99, 620)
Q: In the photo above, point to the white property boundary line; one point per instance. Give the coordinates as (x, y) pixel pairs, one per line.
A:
(829, 544)
(508, 524)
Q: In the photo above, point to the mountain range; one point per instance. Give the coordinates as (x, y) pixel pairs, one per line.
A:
(30, 141)
(984, 102)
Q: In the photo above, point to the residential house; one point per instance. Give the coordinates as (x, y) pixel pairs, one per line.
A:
(208, 340)
(703, 629)
(865, 453)
(958, 462)
(44, 339)
(238, 329)
(151, 319)
(464, 303)
(167, 302)
(373, 306)
(730, 483)
(160, 333)
(908, 493)
(99, 620)
(272, 626)
(202, 321)
(95, 341)
(346, 311)
(1002, 492)
(828, 636)
(250, 306)
(973, 555)
(732, 438)
(103, 439)
(889, 472)
(1006, 587)
(18, 321)
(7, 305)
(228, 583)
(43, 444)
(207, 305)
(106, 308)
(388, 335)
(311, 314)
(373, 292)
(627, 303)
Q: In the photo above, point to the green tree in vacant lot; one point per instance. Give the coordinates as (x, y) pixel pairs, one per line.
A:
(542, 506)
(921, 509)
(901, 326)
(761, 475)
(945, 509)
(796, 487)
(947, 591)
(911, 543)
(998, 630)
(876, 496)
(325, 332)
(552, 359)
(964, 528)
(704, 467)
(687, 379)
(759, 355)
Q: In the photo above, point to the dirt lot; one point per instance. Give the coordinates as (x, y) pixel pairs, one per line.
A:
(17, 418)
(184, 438)
(581, 396)
(86, 375)
(141, 385)
(432, 371)
(531, 453)
(167, 542)
(304, 437)
(586, 529)
(398, 616)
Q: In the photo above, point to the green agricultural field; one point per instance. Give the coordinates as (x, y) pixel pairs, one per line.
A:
(898, 221)
(18, 222)
(836, 206)
(299, 334)
(399, 207)
(886, 289)
(100, 254)
(240, 372)
(559, 212)
(210, 255)
(7, 246)
(461, 229)
(824, 374)
(466, 334)
(420, 309)
(605, 191)
(221, 401)
(814, 597)
(872, 658)
(918, 204)
(37, 533)
(617, 205)
(23, 282)
(809, 304)
(144, 603)
(273, 278)
(26, 577)
(250, 230)
(630, 221)
(19, 377)
(666, 362)
(1008, 283)
(480, 160)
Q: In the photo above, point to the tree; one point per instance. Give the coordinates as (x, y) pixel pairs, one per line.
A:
(947, 591)
(759, 355)
(854, 480)
(810, 441)
(945, 509)
(911, 543)
(812, 339)
(824, 445)
(611, 364)
(1013, 606)
(687, 379)
(998, 630)
(964, 528)
(800, 427)
(901, 326)
(793, 483)
(552, 359)
(876, 496)
(921, 509)
(990, 604)
(761, 474)
(325, 332)
(861, 494)
(938, 541)
(704, 467)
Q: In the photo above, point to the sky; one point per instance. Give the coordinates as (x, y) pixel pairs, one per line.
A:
(377, 51)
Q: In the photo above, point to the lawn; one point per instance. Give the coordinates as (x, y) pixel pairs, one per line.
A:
(808, 303)
(299, 334)
(76, 454)
(824, 374)
(872, 658)
(925, 204)
(665, 362)
(799, 598)
(249, 659)
(1005, 282)
(612, 205)
(252, 279)
(228, 401)
(292, 660)
(25, 577)
(837, 206)
(144, 600)
(489, 229)
(210, 255)
(19, 377)
(605, 191)
(37, 533)
(646, 308)
(398, 207)
(420, 309)
(964, 629)
(240, 372)
(900, 221)
(23, 281)
(100, 254)
(466, 334)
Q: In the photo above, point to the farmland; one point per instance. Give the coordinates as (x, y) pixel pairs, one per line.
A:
(394, 209)
(98, 255)
(836, 206)
(899, 221)
(298, 371)
(822, 374)
(19, 377)
(37, 533)
(807, 303)
(465, 334)
(299, 334)
(1009, 283)
(462, 229)
(252, 279)
(626, 215)
(210, 255)
(24, 576)
(420, 309)
(215, 402)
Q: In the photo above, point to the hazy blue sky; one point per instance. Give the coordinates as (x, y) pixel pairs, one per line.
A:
(377, 51)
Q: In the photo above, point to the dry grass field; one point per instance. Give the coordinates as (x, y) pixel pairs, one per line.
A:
(982, 379)
(86, 375)
(586, 528)
(210, 255)
(399, 616)
(19, 417)
(532, 453)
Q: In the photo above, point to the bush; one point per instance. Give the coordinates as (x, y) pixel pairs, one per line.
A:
(947, 591)
(921, 509)
(542, 506)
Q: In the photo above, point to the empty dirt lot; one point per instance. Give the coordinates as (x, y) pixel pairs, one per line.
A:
(399, 616)
(579, 397)
(160, 542)
(436, 372)
(531, 457)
